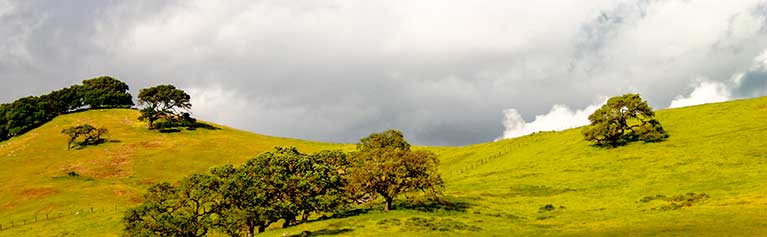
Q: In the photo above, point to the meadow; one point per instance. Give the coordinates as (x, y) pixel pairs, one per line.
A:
(709, 178)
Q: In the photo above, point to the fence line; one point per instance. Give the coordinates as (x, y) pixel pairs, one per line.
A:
(42, 217)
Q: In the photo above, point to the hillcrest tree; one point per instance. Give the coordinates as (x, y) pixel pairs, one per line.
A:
(106, 92)
(624, 119)
(384, 165)
(163, 102)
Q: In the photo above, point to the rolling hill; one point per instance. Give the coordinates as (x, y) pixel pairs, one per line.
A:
(708, 178)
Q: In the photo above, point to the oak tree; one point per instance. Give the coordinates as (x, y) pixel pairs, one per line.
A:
(624, 119)
(384, 165)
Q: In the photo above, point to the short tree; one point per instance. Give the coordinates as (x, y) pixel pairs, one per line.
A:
(624, 119)
(385, 165)
(90, 134)
(163, 102)
(105, 92)
(186, 210)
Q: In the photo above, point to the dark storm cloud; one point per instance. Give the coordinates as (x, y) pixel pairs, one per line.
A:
(339, 70)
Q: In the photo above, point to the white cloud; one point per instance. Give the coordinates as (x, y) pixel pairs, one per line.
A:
(705, 92)
(559, 118)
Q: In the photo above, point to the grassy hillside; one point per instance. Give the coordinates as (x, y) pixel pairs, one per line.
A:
(716, 151)
(34, 181)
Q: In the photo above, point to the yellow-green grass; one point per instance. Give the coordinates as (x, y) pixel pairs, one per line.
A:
(717, 149)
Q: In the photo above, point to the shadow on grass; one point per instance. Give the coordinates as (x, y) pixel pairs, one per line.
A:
(190, 127)
(434, 205)
(323, 232)
(83, 145)
(349, 213)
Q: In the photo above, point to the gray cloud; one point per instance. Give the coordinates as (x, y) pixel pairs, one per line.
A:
(338, 70)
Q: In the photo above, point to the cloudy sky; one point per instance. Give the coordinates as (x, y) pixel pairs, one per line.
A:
(444, 72)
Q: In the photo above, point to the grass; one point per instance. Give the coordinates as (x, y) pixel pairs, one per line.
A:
(708, 179)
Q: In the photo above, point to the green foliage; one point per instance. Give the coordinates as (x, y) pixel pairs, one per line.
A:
(164, 103)
(186, 210)
(106, 92)
(384, 165)
(624, 119)
(388, 139)
(283, 184)
(90, 134)
(64, 100)
(30, 112)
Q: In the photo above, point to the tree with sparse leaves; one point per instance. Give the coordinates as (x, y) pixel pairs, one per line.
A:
(90, 134)
(384, 165)
(624, 119)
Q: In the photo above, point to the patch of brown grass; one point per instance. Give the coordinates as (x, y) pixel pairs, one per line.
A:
(34, 193)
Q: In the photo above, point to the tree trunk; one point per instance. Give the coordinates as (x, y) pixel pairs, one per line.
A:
(261, 228)
(388, 203)
(305, 217)
(287, 223)
(251, 229)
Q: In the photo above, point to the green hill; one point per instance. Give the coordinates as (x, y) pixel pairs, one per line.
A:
(717, 153)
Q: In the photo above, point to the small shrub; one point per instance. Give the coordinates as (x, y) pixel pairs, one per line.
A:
(73, 174)
(546, 208)
(675, 202)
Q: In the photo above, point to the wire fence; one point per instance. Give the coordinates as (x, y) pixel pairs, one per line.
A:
(48, 216)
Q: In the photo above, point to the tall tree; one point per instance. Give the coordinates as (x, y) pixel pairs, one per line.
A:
(624, 119)
(162, 102)
(106, 92)
(24, 114)
(62, 101)
(384, 165)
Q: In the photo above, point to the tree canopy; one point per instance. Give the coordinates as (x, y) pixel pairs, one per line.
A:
(163, 102)
(30, 112)
(385, 165)
(106, 92)
(90, 134)
(624, 119)
(275, 185)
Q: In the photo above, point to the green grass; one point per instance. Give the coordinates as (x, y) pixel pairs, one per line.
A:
(717, 149)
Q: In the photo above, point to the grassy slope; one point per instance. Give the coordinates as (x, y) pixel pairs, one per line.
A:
(32, 174)
(717, 149)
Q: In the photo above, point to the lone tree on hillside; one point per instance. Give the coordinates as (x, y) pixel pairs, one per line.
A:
(163, 102)
(624, 119)
(91, 135)
(105, 92)
(385, 165)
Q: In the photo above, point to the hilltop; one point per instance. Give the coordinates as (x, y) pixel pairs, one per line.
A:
(708, 178)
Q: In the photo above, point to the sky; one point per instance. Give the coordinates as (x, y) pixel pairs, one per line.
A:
(443, 72)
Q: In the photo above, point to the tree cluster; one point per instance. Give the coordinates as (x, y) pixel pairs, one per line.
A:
(280, 185)
(164, 106)
(624, 119)
(283, 185)
(30, 112)
(90, 135)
